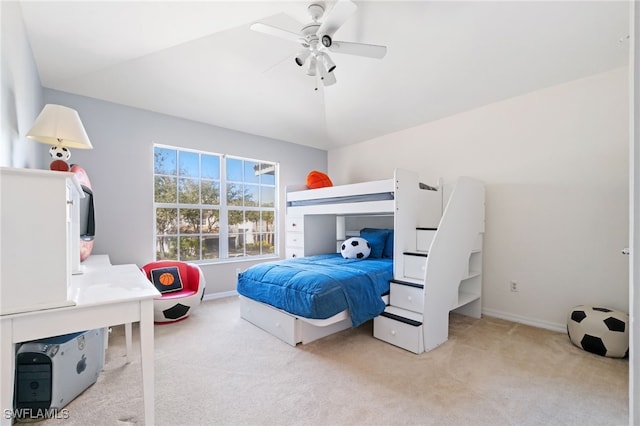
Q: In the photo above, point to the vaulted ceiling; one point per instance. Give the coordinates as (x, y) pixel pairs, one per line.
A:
(201, 61)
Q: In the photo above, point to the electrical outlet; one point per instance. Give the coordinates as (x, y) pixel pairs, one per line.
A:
(513, 286)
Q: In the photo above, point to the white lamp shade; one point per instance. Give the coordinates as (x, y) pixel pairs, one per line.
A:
(60, 125)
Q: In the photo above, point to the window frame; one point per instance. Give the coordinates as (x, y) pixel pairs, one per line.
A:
(224, 233)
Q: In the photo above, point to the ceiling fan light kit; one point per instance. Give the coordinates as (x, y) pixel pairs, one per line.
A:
(316, 39)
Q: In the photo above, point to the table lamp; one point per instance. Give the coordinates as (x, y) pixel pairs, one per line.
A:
(60, 127)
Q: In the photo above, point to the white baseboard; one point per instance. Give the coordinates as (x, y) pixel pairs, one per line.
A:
(534, 322)
(214, 296)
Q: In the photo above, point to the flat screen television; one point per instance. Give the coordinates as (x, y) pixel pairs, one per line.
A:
(87, 217)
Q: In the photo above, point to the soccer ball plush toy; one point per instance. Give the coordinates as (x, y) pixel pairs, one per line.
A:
(355, 248)
(601, 331)
(60, 155)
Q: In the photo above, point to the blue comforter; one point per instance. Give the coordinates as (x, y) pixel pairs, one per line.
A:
(320, 286)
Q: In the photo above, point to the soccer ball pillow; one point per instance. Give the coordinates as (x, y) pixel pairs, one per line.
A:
(601, 331)
(355, 248)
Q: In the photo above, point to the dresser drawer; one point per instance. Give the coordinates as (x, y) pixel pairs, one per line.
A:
(405, 336)
(294, 239)
(294, 224)
(414, 266)
(293, 252)
(406, 297)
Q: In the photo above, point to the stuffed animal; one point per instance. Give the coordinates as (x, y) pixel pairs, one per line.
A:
(316, 179)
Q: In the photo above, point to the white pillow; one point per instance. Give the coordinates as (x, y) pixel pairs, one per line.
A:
(355, 248)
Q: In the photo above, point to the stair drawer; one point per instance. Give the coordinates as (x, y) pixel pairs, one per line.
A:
(406, 297)
(414, 266)
(399, 334)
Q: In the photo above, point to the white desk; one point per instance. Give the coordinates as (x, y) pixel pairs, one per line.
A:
(104, 295)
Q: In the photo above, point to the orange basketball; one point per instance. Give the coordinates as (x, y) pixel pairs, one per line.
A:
(316, 179)
(166, 279)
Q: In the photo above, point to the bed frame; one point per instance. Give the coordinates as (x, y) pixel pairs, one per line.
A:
(338, 212)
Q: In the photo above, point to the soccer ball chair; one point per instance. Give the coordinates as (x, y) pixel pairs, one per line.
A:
(181, 286)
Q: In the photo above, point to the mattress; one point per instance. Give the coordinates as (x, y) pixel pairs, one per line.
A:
(320, 286)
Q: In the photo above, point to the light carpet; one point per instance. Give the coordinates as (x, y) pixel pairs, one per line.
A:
(215, 368)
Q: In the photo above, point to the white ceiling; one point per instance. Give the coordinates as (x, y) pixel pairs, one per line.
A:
(200, 61)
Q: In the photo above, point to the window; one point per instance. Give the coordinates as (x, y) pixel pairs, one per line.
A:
(212, 206)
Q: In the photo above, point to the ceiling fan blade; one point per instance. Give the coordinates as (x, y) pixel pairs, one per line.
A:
(359, 49)
(275, 31)
(340, 12)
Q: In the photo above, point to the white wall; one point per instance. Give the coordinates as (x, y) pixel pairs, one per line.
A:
(555, 164)
(120, 168)
(21, 94)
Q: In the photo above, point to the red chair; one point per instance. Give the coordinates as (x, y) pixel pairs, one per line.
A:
(181, 285)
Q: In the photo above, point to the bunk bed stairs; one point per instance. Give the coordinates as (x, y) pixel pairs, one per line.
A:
(441, 273)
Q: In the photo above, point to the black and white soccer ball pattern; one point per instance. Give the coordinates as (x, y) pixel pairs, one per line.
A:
(601, 331)
(355, 248)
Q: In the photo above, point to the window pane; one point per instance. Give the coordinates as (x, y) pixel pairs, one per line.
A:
(251, 172)
(269, 177)
(189, 221)
(164, 161)
(189, 164)
(188, 191)
(234, 194)
(251, 195)
(268, 243)
(210, 221)
(165, 190)
(253, 244)
(210, 191)
(236, 245)
(234, 169)
(211, 247)
(210, 166)
(166, 221)
(235, 220)
(166, 248)
(267, 173)
(267, 221)
(267, 196)
(189, 248)
(189, 203)
(252, 221)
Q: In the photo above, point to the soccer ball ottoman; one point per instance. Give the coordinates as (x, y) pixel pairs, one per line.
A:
(601, 331)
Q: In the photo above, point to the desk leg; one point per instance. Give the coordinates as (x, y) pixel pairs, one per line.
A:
(127, 340)
(147, 360)
(7, 372)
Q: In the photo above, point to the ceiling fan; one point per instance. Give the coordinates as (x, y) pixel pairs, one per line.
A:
(316, 39)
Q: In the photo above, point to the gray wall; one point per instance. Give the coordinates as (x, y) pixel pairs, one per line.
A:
(120, 168)
(21, 94)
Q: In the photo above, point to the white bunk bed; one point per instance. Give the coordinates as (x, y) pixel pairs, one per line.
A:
(318, 220)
